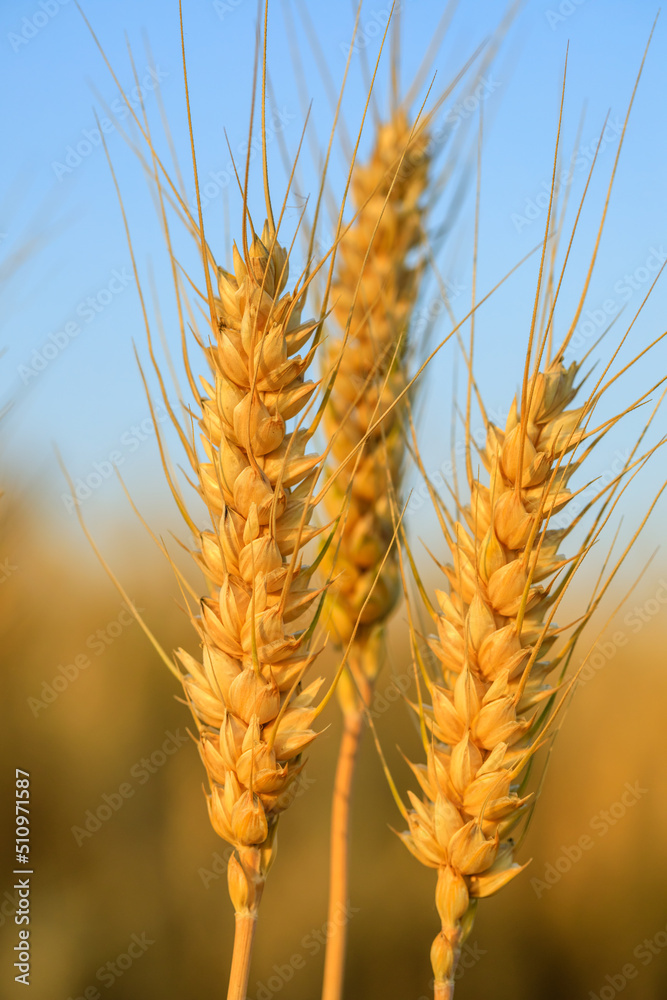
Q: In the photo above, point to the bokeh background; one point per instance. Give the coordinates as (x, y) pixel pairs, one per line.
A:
(154, 868)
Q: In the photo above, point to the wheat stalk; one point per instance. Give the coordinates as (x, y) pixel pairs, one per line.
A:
(493, 641)
(255, 717)
(253, 709)
(494, 700)
(374, 291)
(381, 262)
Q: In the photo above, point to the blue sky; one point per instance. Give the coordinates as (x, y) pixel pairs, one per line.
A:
(74, 304)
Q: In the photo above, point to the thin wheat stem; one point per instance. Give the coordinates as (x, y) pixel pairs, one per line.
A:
(244, 934)
(334, 964)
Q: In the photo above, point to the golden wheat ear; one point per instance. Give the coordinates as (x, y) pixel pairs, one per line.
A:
(490, 702)
(254, 714)
(257, 617)
(374, 291)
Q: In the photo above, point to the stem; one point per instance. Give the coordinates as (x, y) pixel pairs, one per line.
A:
(244, 934)
(443, 989)
(334, 961)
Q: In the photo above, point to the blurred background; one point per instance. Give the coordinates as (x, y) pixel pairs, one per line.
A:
(89, 709)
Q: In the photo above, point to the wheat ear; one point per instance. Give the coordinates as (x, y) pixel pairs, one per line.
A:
(253, 713)
(373, 292)
(495, 700)
(253, 710)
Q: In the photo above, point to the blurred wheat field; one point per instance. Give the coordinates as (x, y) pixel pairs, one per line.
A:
(129, 897)
(154, 867)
